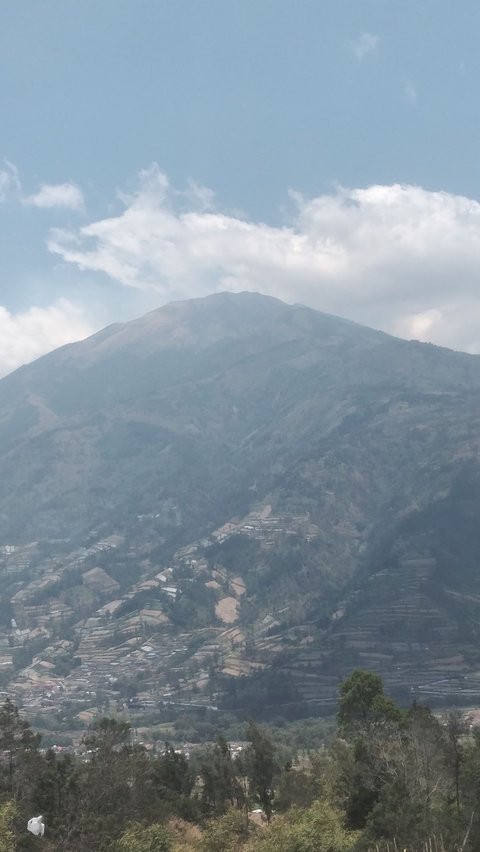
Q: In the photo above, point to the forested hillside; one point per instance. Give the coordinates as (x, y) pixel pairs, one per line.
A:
(390, 778)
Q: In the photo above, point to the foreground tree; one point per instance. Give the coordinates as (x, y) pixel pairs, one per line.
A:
(103, 806)
(363, 705)
(57, 795)
(19, 750)
(221, 785)
(226, 833)
(8, 813)
(171, 784)
(316, 829)
(140, 838)
(260, 760)
(371, 723)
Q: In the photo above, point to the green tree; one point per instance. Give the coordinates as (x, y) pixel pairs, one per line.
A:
(221, 786)
(57, 794)
(470, 786)
(106, 734)
(260, 760)
(371, 722)
(399, 784)
(296, 788)
(227, 833)
(363, 705)
(456, 731)
(172, 782)
(8, 813)
(20, 761)
(140, 838)
(315, 829)
(105, 786)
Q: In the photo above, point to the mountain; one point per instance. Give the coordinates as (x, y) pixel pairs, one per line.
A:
(175, 406)
(244, 488)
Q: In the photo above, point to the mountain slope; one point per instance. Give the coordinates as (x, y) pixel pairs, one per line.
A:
(134, 402)
(333, 454)
(188, 399)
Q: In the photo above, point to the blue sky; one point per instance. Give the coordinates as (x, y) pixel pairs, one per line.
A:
(324, 151)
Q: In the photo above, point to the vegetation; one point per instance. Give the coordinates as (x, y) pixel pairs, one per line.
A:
(392, 779)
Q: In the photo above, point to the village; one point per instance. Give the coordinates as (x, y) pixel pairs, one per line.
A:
(124, 656)
(111, 628)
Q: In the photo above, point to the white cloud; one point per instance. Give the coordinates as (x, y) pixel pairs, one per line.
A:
(25, 336)
(66, 195)
(400, 258)
(9, 181)
(366, 43)
(418, 325)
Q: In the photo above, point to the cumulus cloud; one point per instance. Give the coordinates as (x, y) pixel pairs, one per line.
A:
(366, 43)
(66, 195)
(400, 258)
(25, 336)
